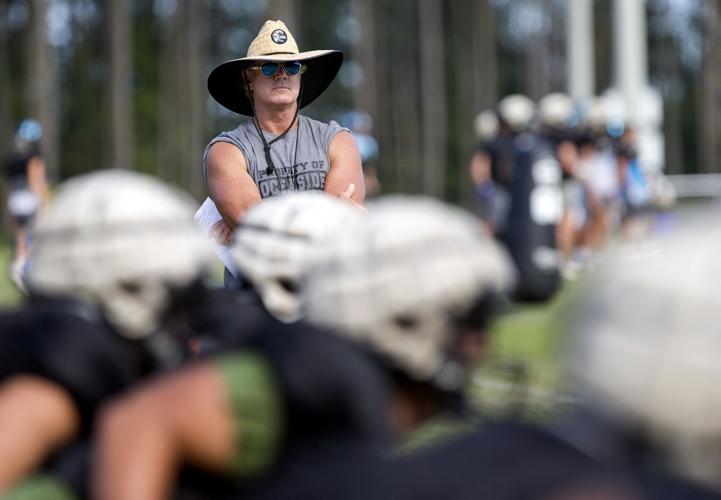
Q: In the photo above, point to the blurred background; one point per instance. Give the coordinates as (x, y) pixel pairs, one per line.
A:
(122, 83)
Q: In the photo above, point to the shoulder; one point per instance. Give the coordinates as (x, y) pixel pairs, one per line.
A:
(224, 320)
(331, 127)
(81, 354)
(239, 136)
(225, 156)
(327, 380)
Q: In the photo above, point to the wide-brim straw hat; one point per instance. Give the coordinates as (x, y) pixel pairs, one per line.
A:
(273, 43)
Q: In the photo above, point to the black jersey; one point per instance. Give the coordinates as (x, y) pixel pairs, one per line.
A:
(502, 154)
(330, 390)
(331, 387)
(16, 168)
(69, 343)
(499, 462)
(334, 402)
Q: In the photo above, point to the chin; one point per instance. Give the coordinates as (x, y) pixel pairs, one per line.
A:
(284, 101)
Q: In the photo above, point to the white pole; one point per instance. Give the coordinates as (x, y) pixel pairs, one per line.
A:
(579, 49)
(631, 54)
(643, 105)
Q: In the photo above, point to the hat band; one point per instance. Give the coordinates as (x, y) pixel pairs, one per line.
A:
(277, 54)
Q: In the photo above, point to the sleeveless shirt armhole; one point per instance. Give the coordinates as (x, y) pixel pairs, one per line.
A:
(223, 137)
(332, 130)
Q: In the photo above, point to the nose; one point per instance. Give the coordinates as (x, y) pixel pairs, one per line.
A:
(281, 72)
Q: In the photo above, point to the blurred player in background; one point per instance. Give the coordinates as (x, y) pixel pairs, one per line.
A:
(26, 193)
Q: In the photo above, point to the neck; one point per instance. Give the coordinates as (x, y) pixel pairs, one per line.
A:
(410, 407)
(275, 121)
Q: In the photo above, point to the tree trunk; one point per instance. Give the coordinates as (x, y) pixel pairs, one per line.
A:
(602, 45)
(464, 109)
(5, 113)
(165, 97)
(286, 11)
(433, 96)
(364, 53)
(41, 85)
(710, 91)
(538, 59)
(182, 97)
(122, 143)
(485, 61)
(673, 127)
(195, 77)
(398, 97)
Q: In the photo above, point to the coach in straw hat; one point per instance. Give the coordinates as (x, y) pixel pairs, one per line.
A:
(278, 150)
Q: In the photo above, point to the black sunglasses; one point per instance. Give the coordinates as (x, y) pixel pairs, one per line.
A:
(269, 69)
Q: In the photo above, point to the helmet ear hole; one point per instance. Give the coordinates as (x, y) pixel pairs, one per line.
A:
(288, 285)
(405, 322)
(130, 287)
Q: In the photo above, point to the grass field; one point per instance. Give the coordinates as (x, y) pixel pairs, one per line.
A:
(524, 372)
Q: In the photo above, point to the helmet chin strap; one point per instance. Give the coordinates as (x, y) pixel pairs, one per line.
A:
(266, 145)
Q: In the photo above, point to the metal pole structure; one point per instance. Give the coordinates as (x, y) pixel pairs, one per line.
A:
(631, 54)
(579, 48)
(643, 104)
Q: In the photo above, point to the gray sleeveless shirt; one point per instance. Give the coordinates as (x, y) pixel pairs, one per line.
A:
(304, 170)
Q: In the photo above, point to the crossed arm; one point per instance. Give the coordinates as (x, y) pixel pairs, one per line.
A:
(234, 191)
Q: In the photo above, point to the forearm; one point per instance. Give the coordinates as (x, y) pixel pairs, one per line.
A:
(232, 208)
(36, 417)
(337, 185)
(345, 168)
(136, 458)
(145, 437)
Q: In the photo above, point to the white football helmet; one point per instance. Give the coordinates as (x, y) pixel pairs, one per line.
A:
(279, 238)
(517, 111)
(556, 110)
(122, 240)
(400, 282)
(648, 346)
(485, 125)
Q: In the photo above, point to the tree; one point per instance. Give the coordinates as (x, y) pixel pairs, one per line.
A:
(363, 52)
(181, 125)
(5, 113)
(121, 140)
(398, 95)
(432, 82)
(710, 91)
(461, 59)
(284, 10)
(42, 84)
(538, 52)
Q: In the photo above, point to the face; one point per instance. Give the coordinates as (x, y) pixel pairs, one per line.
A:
(277, 91)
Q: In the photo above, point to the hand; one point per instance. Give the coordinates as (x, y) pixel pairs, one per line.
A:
(222, 233)
(347, 196)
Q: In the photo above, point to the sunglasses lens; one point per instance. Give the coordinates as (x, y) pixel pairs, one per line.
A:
(292, 68)
(269, 69)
